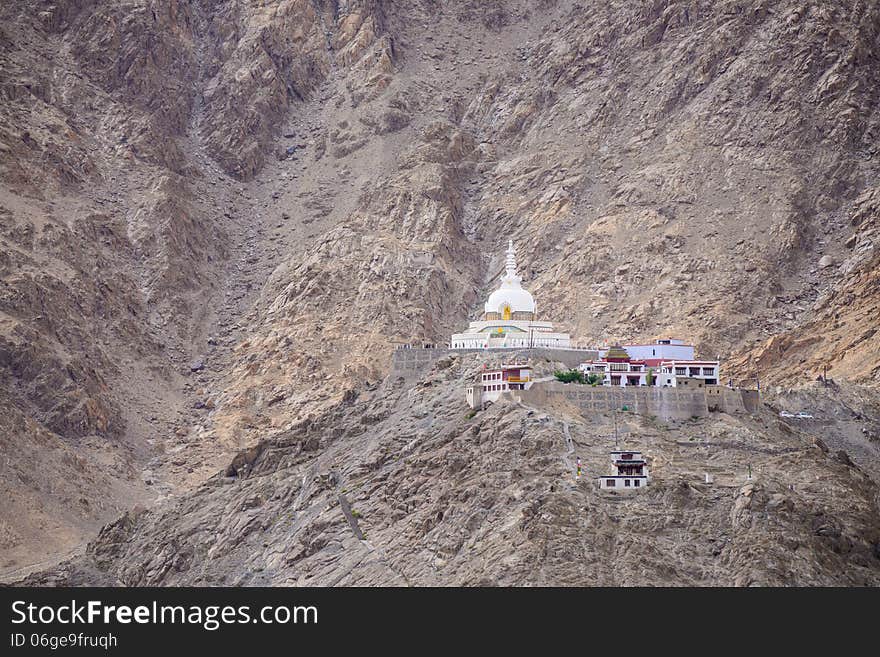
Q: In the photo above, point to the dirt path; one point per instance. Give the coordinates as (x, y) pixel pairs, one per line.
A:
(569, 450)
(15, 574)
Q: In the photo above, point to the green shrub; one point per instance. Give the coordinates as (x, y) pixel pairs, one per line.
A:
(571, 376)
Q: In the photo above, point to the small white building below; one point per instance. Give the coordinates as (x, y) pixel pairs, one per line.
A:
(508, 319)
(494, 383)
(630, 472)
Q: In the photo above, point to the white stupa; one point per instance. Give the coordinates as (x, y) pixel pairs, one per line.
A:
(509, 318)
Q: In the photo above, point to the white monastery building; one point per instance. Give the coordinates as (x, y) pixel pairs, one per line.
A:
(494, 383)
(666, 364)
(630, 472)
(509, 319)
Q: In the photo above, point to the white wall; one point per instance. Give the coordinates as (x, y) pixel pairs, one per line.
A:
(470, 397)
(620, 484)
(667, 351)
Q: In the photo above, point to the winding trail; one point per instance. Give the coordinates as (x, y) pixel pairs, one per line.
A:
(566, 458)
(9, 576)
(569, 465)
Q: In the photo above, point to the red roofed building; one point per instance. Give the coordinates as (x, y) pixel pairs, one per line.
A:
(617, 368)
(494, 383)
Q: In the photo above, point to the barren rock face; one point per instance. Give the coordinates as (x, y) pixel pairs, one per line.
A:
(842, 332)
(279, 191)
(401, 487)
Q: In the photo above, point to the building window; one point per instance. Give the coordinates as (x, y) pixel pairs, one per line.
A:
(626, 482)
(610, 483)
(637, 483)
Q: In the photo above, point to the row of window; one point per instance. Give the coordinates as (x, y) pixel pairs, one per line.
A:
(524, 342)
(681, 371)
(612, 483)
(634, 380)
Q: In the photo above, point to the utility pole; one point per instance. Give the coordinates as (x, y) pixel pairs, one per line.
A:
(616, 437)
(757, 381)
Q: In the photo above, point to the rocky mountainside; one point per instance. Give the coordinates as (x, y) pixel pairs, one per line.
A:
(400, 486)
(217, 217)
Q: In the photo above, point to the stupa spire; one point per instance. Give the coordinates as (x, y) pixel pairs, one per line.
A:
(511, 261)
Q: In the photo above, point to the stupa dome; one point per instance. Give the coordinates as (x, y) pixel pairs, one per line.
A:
(510, 297)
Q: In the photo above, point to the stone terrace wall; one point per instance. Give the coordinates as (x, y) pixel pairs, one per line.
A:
(731, 400)
(751, 400)
(665, 403)
(417, 360)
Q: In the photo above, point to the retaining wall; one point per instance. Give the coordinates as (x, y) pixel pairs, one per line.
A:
(665, 403)
(419, 359)
(731, 400)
